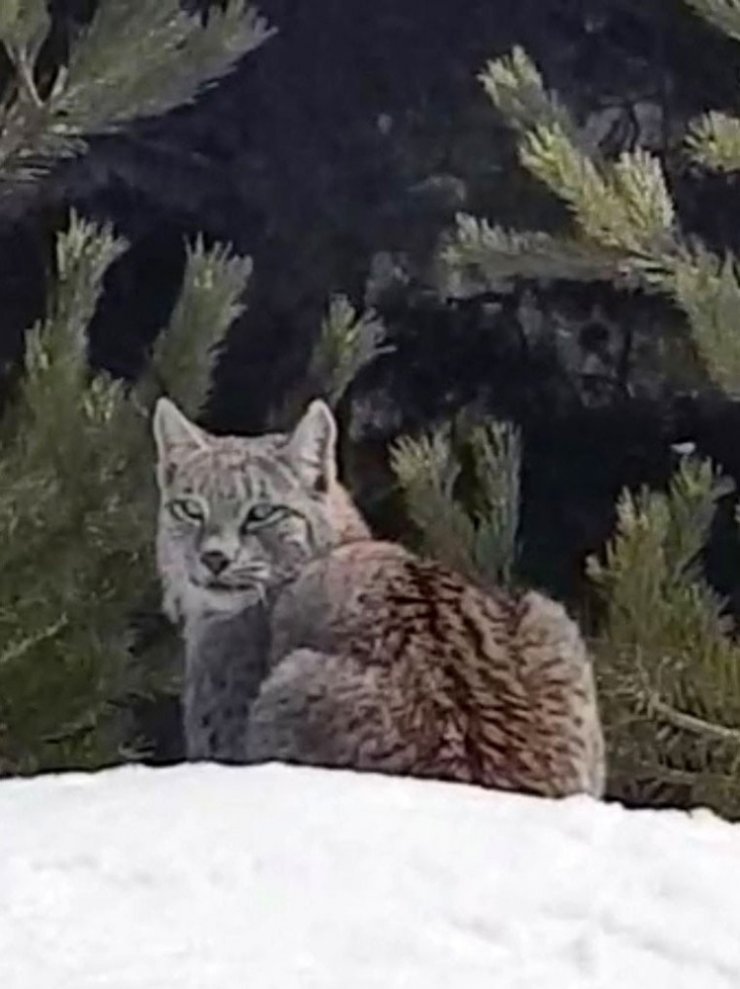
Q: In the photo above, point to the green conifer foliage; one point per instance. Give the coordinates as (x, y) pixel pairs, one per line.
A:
(471, 526)
(136, 58)
(77, 510)
(347, 341)
(624, 227)
(668, 664)
(667, 657)
(77, 503)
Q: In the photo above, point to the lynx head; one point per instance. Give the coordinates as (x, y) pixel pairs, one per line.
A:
(241, 515)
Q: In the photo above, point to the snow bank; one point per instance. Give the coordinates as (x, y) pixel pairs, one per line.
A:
(281, 878)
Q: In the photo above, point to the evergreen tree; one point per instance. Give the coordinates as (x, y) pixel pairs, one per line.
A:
(667, 659)
(347, 341)
(624, 228)
(77, 510)
(77, 503)
(136, 58)
(668, 663)
(467, 518)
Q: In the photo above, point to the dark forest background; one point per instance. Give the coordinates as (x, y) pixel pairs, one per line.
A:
(337, 156)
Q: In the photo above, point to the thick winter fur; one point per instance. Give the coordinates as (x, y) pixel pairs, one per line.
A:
(315, 643)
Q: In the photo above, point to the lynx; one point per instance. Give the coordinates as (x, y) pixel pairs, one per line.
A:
(309, 641)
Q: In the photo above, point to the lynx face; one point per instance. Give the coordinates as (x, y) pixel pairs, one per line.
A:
(239, 516)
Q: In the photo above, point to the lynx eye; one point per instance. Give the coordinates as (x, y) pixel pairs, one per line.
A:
(187, 510)
(262, 513)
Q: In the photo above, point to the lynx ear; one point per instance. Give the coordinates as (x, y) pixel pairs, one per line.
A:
(174, 435)
(312, 446)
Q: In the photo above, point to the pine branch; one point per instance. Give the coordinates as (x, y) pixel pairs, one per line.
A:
(708, 290)
(476, 536)
(210, 300)
(481, 257)
(76, 487)
(348, 341)
(497, 457)
(714, 141)
(56, 349)
(174, 57)
(722, 14)
(13, 652)
(72, 489)
(426, 471)
(138, 58)
(84, 252)
(625, 207)
(667, 663)
(515, 86)
(76, 515)
(690, 723)
(622, 208)
(623, 212)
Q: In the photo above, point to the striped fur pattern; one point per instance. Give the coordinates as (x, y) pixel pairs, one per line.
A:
(345, 651)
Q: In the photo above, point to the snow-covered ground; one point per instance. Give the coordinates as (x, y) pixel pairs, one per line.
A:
(280, 878)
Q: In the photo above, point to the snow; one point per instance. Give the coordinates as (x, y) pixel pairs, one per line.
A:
(283, 878)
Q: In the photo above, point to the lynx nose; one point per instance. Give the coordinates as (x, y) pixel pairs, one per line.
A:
(215, 560)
